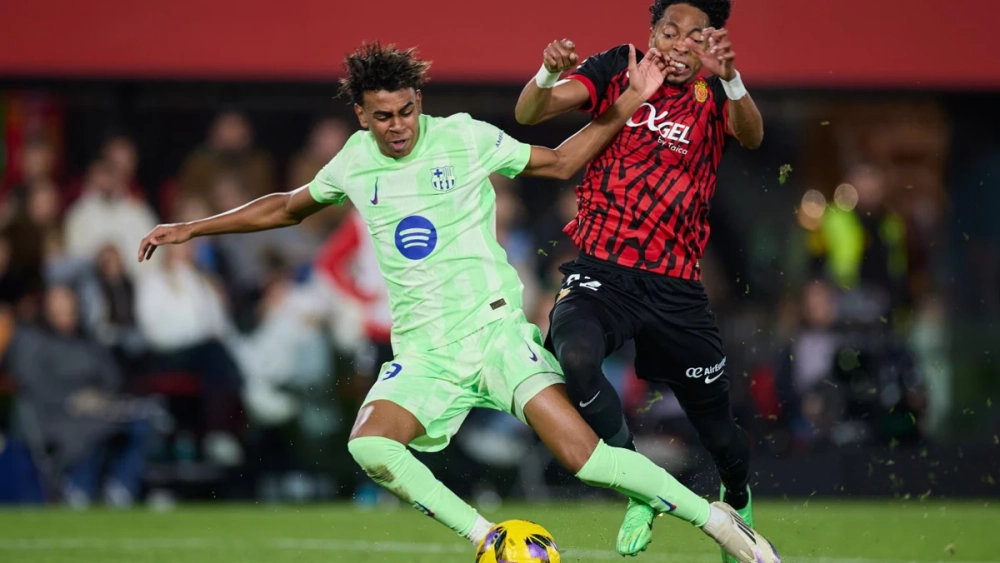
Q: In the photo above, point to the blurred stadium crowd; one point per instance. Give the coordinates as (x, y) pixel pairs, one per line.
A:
(233, 366)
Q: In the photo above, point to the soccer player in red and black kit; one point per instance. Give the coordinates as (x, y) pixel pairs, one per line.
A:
(641, 228)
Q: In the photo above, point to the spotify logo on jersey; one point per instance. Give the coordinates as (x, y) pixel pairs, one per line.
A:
(416, 237)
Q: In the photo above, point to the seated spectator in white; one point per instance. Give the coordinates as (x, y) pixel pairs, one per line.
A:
(287, 354)
(183, 319)
(107, 214)
(69, 392)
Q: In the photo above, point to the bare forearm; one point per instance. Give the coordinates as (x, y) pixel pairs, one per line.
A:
(579, 149)
(531, 104)
(745, 122)
(268, 212)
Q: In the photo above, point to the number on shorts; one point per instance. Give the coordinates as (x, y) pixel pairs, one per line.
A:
(393, 371)
(591, 285)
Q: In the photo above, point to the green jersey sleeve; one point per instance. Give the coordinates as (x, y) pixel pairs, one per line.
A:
(328, 185)
(498, 151)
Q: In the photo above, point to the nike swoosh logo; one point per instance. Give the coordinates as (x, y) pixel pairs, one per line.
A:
(374, 200)
(594, 398)
(711, 379)
(534, 357)
(670, 507)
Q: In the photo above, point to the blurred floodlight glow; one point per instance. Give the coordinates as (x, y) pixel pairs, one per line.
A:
(846, 197)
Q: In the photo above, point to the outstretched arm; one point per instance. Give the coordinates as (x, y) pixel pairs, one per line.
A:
(564, 161)
(269, 212)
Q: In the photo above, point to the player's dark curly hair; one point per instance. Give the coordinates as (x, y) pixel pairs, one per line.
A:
(717, 10)
(372, 67)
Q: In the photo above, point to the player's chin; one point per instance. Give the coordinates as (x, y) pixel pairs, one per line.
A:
(678, 79)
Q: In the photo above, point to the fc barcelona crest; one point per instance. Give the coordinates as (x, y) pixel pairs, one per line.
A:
(700, 91)
(443, 178)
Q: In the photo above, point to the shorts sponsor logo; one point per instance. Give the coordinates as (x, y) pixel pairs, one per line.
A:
(710, 373)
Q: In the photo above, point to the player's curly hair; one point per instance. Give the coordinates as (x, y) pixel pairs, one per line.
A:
(717, 10)
(372, 67)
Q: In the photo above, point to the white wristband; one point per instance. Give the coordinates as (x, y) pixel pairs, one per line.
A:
(734, 88)
(546, 79)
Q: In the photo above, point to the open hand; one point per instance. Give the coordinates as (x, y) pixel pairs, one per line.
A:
(715, 51)
(176, 233)
(560, 56)
(646, 77)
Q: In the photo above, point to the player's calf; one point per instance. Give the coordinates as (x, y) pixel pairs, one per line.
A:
(391, 465)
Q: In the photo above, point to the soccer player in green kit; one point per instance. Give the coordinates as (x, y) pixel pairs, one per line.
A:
(459, 335)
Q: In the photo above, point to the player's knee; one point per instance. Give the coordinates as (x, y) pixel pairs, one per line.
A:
(377, 456)
(580, 350)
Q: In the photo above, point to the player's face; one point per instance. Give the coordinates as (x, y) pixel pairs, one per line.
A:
(679, 22)
(392, 119)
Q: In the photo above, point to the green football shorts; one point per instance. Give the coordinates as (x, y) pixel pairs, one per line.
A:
(501, 366)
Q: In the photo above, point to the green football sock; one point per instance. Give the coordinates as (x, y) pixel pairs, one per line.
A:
(393, 467)
(636, 476)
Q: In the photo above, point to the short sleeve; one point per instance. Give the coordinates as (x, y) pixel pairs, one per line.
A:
(498, 151)
(597, 71)
(328, 185)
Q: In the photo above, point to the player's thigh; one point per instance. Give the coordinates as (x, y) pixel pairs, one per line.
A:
(591, 301)
(429, 387)
(688, 356)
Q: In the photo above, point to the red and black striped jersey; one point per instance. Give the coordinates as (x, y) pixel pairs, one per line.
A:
(644, 200)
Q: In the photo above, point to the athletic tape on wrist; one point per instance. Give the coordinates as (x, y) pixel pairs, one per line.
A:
(734, 88)
(546, 79)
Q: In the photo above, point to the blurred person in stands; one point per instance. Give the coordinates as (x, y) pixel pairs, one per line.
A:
(183, 319)
(327, 138)
(861, 243)
(809, 400)
(35, 220)
(114, 323)
(120, 151)
(355, 291)
(38, 165)
(106, 214)
(242, 261)
(228, 150)
(70, 393)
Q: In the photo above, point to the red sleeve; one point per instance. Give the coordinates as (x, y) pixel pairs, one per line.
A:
(334, 259)
(590, 88)
(597, 72)
(721, 100)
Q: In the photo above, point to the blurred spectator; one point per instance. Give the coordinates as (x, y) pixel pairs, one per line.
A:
(229, 150)
(182, 317)
(35, 221)
(809, 402)
(69, 394)
(349, 278)
(38, 165)
(287, 354)
(121, 153)
(242, 259)
(861, 242)
(115, 324)
(327, 138)
(107, 214)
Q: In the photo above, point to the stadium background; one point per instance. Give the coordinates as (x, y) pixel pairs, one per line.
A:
(853, 381)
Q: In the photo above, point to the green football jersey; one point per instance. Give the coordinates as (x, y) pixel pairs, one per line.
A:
(432, 218)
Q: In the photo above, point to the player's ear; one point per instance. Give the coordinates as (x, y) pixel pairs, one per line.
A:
(360, 112)
(652, 36)
(420, 102)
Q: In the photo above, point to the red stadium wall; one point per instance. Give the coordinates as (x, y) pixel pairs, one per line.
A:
(882, 43)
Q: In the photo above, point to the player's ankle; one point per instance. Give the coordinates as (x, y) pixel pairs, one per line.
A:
(479, 530)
